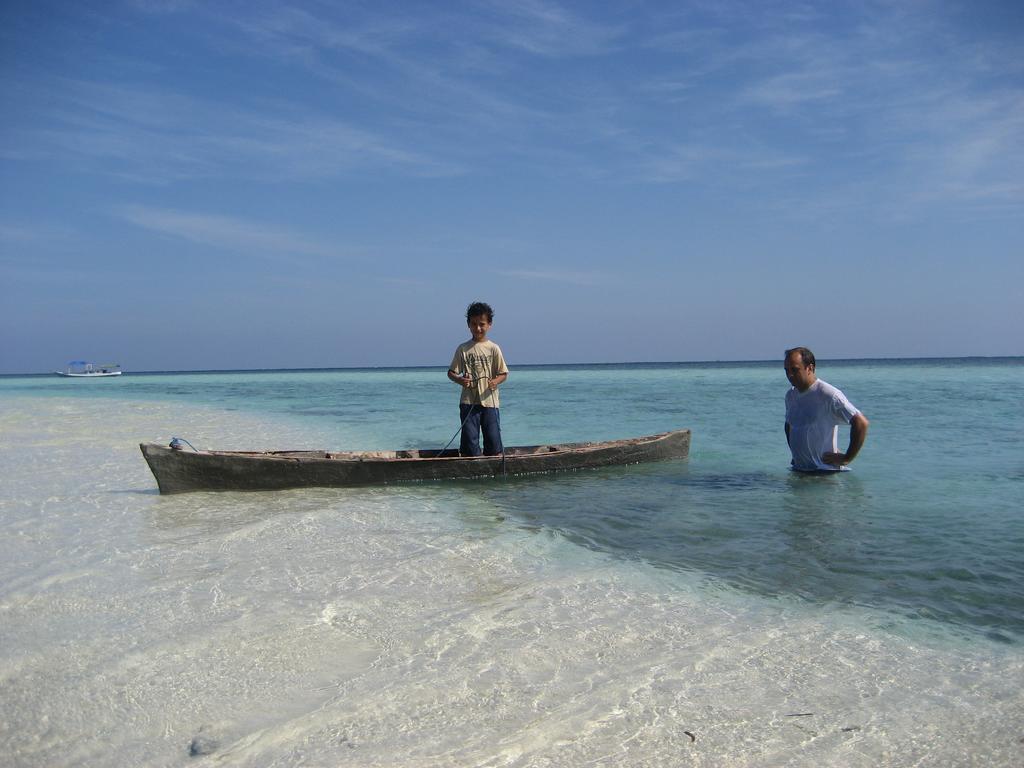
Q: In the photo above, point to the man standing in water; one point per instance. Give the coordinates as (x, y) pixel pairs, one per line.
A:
(814, 411)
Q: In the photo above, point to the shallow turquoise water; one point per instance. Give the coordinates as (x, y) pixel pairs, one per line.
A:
(927, 527)
(676, 613)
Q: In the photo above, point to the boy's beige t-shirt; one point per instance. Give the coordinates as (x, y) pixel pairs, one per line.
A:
(482, 361)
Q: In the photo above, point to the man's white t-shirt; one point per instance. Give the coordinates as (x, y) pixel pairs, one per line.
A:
(814, 417)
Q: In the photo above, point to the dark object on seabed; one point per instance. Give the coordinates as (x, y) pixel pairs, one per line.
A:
(178, 471)
(202, 745)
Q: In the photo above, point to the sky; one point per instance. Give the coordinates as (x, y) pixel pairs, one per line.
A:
(224, 185)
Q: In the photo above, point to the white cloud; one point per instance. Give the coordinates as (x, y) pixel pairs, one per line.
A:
(159, 136)
(549, 29)
(232, 234)
(22, 233)
(785, 91)
(549, 276)
(718, 91)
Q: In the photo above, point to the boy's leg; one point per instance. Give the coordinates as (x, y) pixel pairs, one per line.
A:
(490, 421)
(469, 445)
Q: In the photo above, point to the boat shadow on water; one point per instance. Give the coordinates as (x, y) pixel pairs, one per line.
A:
(769, 533)
(822, 540)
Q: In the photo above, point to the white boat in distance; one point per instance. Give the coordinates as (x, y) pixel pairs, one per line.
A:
(81, 369)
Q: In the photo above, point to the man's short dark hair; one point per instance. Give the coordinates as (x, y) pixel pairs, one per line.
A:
(479, 308)
(806, 356)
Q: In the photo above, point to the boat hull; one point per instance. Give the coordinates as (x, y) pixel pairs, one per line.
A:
(88, 375)
(180, 471)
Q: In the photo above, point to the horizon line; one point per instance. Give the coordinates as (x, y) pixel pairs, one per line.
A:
(537, 365)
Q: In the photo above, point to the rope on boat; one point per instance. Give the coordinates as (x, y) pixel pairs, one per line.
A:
(468, 414)
(503, 472)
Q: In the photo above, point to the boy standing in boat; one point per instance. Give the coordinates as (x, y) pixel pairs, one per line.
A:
(479, 368)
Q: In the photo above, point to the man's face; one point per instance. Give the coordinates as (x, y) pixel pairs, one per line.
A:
(800, 376)
(479, 326)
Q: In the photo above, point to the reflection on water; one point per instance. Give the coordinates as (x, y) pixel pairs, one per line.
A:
(828, 539)
(736, 481)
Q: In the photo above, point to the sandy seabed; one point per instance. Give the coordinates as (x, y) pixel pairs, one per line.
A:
(416, 626)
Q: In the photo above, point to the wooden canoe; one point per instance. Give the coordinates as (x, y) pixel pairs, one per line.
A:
(179, 471)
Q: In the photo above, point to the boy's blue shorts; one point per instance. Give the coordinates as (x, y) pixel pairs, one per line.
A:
(480, 419)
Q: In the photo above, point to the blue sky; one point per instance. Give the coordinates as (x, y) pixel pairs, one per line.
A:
(317, 184)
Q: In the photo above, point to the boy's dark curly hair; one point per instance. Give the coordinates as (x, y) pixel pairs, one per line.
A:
(479, 308)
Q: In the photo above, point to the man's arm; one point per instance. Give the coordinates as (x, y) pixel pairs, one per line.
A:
(787, 433)
(497, 380)
(858, 434)
(462, 381)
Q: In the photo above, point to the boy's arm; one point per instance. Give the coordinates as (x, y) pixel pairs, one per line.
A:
(463, 379)
(498, 364)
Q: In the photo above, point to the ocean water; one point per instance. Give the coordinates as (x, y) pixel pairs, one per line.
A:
(718, 611)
